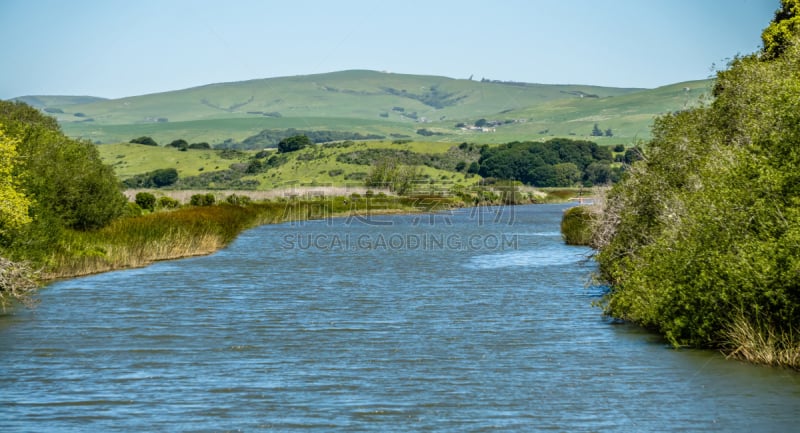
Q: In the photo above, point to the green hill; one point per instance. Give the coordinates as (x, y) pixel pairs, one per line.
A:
(370, 102)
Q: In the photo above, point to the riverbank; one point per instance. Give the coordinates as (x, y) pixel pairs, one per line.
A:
(740, 338)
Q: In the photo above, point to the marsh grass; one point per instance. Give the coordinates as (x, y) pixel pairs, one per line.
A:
(191, 231)
(762, 344)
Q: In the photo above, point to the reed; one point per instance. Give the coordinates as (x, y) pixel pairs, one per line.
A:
(762, 344)
(191, 231)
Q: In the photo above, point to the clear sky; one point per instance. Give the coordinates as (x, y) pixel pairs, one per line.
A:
(114, 48)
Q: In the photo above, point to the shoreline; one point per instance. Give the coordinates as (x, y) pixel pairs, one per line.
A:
(97, 264)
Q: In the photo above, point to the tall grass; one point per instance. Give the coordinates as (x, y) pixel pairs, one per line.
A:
(762, 344)
(137, 241)
(190, 231)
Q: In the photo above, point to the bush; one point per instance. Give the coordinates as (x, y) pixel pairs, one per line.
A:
(179, 143)
(164, 177)
(167, 203)
(238, 200)
(146, 201)
(293, 143)
(147, 141)
(203, 199)
(576, 226)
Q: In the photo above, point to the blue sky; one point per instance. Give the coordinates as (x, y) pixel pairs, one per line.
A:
(113, 48)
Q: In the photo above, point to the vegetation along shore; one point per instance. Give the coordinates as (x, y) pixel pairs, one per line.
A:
(700, 241)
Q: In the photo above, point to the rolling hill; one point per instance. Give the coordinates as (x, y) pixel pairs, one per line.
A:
(370, 102)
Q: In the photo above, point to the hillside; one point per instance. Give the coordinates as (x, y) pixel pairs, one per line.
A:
(372, 102)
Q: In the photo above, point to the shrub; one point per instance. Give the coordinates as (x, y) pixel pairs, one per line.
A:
(238, 200)
(147, 141)
(164, 177)
(179, 143)
(576, 226)
(146, 201)
(207, 199)
(167, 203)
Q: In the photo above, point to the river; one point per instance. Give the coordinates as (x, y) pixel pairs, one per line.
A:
(473, 320)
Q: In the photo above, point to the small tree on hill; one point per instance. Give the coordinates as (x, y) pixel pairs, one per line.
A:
(293, 143)
(179, 143)
(596, 132)
(147, 141)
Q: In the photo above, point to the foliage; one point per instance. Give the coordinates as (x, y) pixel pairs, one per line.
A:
(704, 232)
(154, 179)
(577, 224)
(147, 141)
(13, 202)
(293, 143)
(207, 199)
(542, 164)
(389, 173)
(146, 201)
(783, 29)
(237, 200)
(167, 203)
(65, 182)
(179, 143)
(64, 178)
(443, 161)
(272, 137)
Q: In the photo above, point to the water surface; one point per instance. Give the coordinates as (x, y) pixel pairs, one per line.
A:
(475, 320)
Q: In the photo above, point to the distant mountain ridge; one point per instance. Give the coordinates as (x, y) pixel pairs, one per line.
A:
(369, 102)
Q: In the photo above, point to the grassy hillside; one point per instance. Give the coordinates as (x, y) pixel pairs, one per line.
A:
(372, 102)
(316, 165)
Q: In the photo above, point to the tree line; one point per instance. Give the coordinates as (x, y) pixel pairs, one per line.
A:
(51, 183)
(558, 162)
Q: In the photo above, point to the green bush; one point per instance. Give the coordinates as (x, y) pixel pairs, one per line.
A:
(146, 201)
(207, 199)
(167, 203)
(238, 200)
(147, 141)
(576, 226)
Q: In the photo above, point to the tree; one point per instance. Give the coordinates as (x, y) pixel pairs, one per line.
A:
(178, 143)
(13, 203)
(783, 29)
(609, 133)
(293, 143)
(596, 132)
(480, 123)
(163, 177)
(65, 181)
